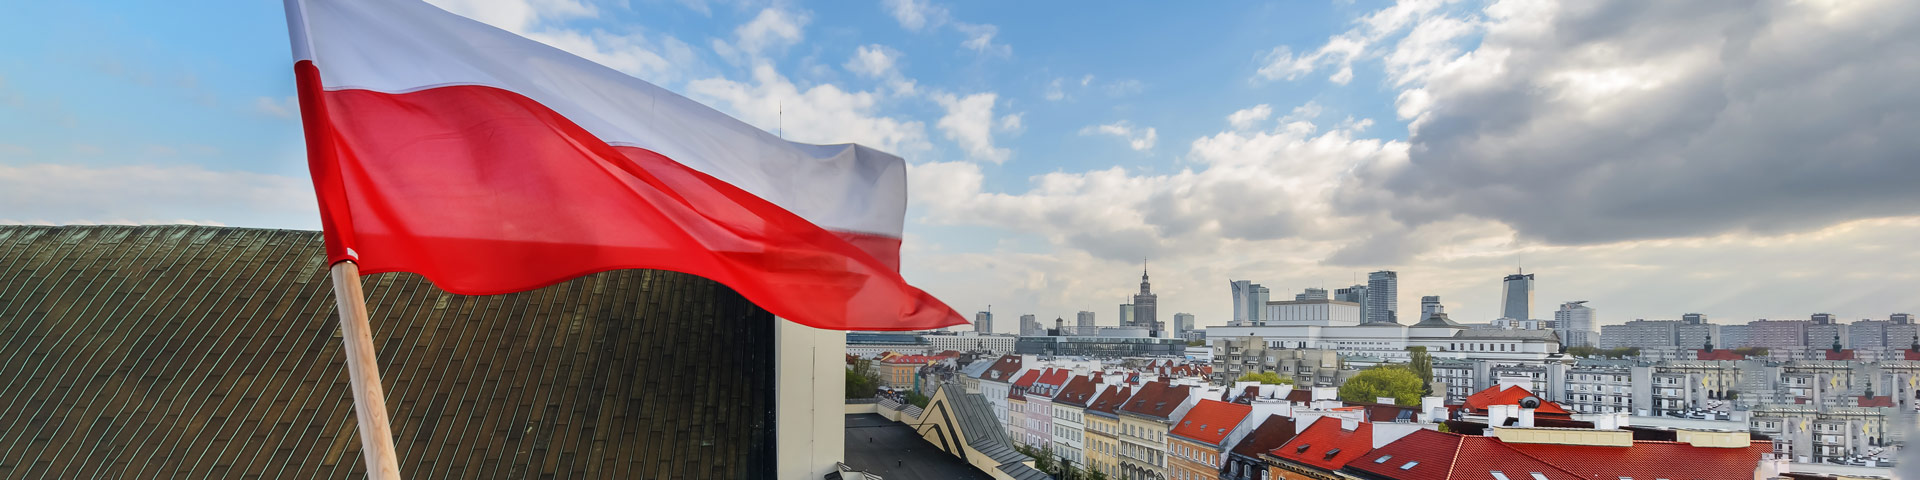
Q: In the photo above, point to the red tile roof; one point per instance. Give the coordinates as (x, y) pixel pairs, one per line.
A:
(1431, 455)
(1880, 401)
(1002, 369)
(1050, 382)
(1718, 354)
(1272, 433)
(1325, 446)
(911, 359)
(1157, 400)
(1494, 395)
(1019, 390)
(1111, 399)
(1210, 421)
(1910, 354)
(1651, 459)
(1840, 355)
(1300, 395)
(1078, 392)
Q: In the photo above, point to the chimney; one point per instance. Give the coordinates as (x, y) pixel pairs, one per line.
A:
(1526, 418)
(1433, 409)
(1348, 423)
(1497, 415)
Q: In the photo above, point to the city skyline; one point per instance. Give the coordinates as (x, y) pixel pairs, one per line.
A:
(1300, 145)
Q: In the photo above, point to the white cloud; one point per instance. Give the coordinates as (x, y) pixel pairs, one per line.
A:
(1282, 63)
(969, 122)
(12, 150)
(1250, 117)
(819, 114)
(916, 15)
(142, 194)
(1012, 122)
(287, 107)
(1054, 91)
(1141, 139)
(872, 61)
(980, 39)
(773, 28)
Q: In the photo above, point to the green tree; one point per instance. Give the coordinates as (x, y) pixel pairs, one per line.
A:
(1197, 343)
(1751, 351)
(1269, 378)
(1096, 475)
(1042, 458)
(1383, 381)
(1421, 363)
(1583, 351)
(1067, 470)
(917, 399)
(862, 381)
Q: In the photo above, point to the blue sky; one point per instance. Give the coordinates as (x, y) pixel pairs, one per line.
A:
(1621, 150)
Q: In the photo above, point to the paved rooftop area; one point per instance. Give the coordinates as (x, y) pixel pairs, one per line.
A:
(894, 452)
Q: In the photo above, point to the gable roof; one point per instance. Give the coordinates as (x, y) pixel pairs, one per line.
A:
(1003, 369)
(1432, 455)
(1326, 446)
(1495, 395)
(1157, 400)
(1111, 399)
(1271, 433)
(1209, 421)
(1651, 459)
(1050, 382)
(1718, 354)
(1387, 413)
(1078, 392)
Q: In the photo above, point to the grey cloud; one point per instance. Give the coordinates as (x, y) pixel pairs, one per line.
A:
(1755, 118)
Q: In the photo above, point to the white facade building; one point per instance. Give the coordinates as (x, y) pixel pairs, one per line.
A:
(1575, 323)
(1311, 312)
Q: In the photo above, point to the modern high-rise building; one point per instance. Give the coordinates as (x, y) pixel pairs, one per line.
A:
(1030, 325)
(1383, 297)
(1694, 318)
(1355, 294)
(1249, 301)
(1430, 305)
(1143, 306)
(1516, 296)
(1574, 322)
(1182, 323)
(1126, 314)
(1311, 294)
(1085, 321)
(983, 322)
(1823, 319)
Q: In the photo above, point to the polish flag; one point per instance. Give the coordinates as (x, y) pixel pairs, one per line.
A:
(490, 163)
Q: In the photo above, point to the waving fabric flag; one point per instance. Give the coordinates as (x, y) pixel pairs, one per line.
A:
(491, 163)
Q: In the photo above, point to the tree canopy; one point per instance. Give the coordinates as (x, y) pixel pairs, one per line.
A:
(862, 381)
(1383, 381)
(1268, 378)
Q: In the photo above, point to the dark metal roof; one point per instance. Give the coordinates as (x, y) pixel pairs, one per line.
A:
(207, 352)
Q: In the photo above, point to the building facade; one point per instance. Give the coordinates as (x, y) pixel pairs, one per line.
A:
(1516, 296)
(1383, 297)
(1144, 307)
(983, 322)
(1575, 323)
(1182, 323)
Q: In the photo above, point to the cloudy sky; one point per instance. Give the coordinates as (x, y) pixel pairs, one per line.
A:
(1745, 159)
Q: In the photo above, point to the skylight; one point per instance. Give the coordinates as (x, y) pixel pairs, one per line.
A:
(1382, 459)
(1498, 476)
(1409, 465)
(1538, 476)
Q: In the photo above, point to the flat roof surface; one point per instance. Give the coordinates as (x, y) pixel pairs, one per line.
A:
(894, 451)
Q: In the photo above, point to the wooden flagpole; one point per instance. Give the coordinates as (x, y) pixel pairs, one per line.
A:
(363, 372)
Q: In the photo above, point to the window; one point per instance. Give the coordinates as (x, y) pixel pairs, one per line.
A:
(1498, 476)
(1409, 466)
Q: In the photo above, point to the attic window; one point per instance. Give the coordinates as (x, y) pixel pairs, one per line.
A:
(1382, 459)
(1409, 465)
(1498, 476)
(1538, 476)
(1302, 448)
(1331, 453)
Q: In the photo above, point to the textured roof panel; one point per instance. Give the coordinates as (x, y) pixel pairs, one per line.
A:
(205, 352)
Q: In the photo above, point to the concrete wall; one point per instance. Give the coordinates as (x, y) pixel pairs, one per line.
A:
(809, 404)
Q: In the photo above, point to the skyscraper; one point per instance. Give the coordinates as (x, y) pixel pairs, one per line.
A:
(1574, 322)
(1143, 306)
(1029, 325)
(1182, 323)
(1430, 305)
(1355, 294)
(1383, 297)
(983, 322)
(1085, 324)
(1126, 314)
(1249, 300)
(1311, 294)
(1516, 296)
(1693, 318)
